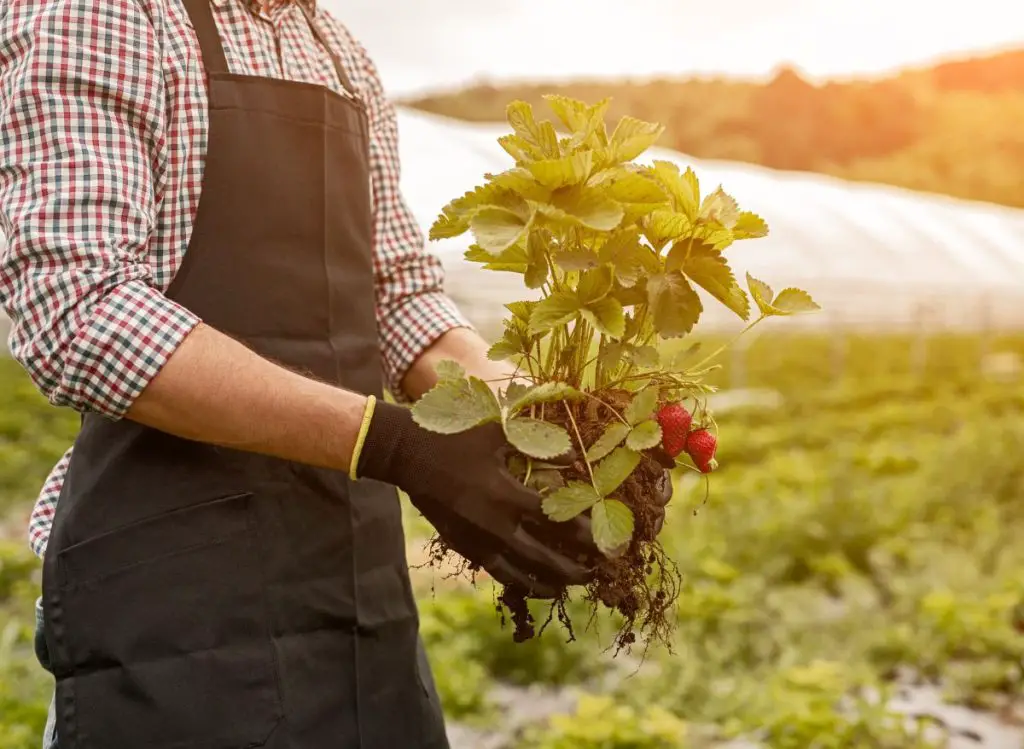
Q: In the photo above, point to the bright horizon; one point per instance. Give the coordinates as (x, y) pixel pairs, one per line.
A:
(443, 44)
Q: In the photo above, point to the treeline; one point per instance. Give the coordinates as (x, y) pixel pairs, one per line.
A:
(955, 128)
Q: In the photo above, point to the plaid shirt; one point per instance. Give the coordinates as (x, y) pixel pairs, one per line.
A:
(103, 131)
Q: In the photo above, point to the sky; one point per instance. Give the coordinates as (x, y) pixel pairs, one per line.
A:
(424, 45)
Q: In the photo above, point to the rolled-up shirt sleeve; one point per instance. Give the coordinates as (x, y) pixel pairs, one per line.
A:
(82, 156)
(413, 310)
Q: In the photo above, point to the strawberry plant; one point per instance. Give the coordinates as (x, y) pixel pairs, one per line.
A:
(614, 252)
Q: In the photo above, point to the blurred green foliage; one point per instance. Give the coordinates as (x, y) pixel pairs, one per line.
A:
(953, 128)
(23, 684)
(601, 723)
(865, 531)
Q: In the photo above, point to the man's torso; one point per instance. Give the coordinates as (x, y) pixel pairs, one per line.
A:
(278, 44)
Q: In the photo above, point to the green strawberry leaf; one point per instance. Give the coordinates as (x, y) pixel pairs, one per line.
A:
(545, 480)
(497, 229)
(536, 438)
(594, 285)
(477, 254)
(607, 317)
(613, 470)
(721, 208)
(502, 350)
(611, 355)
(762, 294)
(663, 225)
(511, 344)
(513, 259)
(646, 357)
(642, 406)
(627, 186)
(576, 259)
(794, 301)
(539, 136)
(615, 353)
(674, 304)
(577, 116)
(521, 310)
(789, 301)
(564, 171)
(521, 182)
(517, 148)
(455, 405)
(537, 262)
(644, 436)
(449, 369)
(632, 137)
(684, 188)
(691, 195)
(548, 392)
(513, 393)
(628, 256)
(612, 438)
(555, 310)
(447, 227)
(568, 502)
(633, 296)
(588, 207)
(749, 226)
(706, 267)
(612, 523)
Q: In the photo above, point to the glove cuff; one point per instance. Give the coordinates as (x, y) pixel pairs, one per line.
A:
(357, 451)
(385, 431)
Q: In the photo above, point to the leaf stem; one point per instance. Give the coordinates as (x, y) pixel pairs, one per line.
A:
(610, 407)
(540, 364)
(707, 359)
(641, 320)
(669, 376)
(586, 341)
(573, 340)
(583, 448)
(548, 368)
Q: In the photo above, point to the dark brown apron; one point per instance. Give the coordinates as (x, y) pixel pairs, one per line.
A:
(195, 596)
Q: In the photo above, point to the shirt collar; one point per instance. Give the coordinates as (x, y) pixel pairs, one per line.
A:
(257, 5)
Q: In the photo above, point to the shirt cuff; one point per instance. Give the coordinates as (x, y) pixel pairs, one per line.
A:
(125, 342)
(409, 328)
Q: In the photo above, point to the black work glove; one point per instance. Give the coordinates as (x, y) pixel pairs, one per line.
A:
(485, 551)
(461, 482)
(664, 495)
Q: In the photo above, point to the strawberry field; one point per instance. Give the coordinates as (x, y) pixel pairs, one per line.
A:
(858, 562)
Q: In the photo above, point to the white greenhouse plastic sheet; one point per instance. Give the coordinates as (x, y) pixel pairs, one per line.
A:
(871, 254)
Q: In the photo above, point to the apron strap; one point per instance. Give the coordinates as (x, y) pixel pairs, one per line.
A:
(209, 38)
(346, 82)
(213, 51)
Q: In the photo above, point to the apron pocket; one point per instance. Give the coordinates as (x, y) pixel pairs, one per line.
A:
(166, 631)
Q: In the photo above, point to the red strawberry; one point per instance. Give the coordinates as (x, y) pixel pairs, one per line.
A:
(675, 423)
(701, 445)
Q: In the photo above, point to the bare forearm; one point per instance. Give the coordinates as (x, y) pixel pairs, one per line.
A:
(215, 390)
(463, 346)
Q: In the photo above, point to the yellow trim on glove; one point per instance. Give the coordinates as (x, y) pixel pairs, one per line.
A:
(364, 427)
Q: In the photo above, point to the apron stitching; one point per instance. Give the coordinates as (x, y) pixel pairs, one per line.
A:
(254, 527)
(288, 118)
(92, 581)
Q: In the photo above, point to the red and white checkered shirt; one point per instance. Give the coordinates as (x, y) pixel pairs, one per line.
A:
(103, 132)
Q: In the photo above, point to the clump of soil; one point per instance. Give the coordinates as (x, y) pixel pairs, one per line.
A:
(641, 584)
